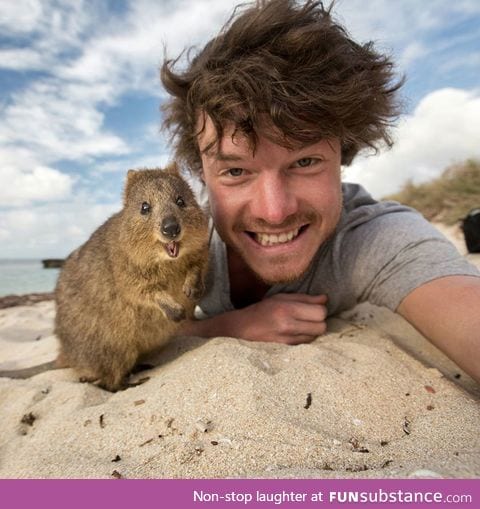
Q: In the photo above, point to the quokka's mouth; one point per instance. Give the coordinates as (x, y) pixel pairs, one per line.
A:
(172, 249)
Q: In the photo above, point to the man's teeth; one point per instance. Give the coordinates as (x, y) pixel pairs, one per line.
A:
(267, 239)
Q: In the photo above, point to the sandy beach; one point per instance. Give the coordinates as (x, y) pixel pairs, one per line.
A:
(369, 399)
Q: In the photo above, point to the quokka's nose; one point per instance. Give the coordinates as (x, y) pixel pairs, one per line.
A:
(170, 227)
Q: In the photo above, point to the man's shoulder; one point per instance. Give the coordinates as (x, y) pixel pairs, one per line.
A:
(360, 208)
(383, 250)
(379, 230)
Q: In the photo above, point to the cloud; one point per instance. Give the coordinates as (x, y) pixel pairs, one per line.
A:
(21, 59)
(413, 29)
(395, 21)
(129, 53)
(412, 52)
(148, 161)
(24, 181)
(442, 130)
(43, 30)
(41, 183)
(470, 60)
(51, 119)
(19, 16)
(52, 229)
(58, 121)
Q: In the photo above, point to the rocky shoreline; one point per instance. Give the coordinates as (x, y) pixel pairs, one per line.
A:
(28, 299)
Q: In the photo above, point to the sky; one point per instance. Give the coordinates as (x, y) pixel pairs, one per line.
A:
(80, 101)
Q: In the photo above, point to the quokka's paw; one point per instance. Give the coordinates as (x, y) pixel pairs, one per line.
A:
(193, 292)
(174, 313)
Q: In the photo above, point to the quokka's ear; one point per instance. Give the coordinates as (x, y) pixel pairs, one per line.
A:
(172, 169)
(132, 176)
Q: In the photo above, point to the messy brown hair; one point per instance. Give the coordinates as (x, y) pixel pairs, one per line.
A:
(289, 63)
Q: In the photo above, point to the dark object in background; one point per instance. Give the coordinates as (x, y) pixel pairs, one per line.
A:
(9, 301)
(471, 230)
(52, 263)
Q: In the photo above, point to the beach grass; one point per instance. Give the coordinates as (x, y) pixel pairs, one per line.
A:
(448, 198)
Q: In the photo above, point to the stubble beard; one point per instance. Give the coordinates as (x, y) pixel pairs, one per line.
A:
(286, 278)
(312, 218)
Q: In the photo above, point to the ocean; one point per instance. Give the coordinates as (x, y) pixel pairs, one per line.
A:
(26, 276)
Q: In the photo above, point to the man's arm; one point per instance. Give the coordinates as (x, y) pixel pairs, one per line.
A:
(447, 312)
(290, 318)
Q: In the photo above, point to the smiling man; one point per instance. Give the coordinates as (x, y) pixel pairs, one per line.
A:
(265, 115)
(273, 209)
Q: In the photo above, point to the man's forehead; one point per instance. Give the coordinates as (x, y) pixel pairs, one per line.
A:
(231, 145)
(234, 144)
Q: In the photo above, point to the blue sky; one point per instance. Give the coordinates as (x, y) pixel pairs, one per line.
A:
(80, 98)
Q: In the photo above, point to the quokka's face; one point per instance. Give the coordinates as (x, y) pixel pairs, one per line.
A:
(163, 208)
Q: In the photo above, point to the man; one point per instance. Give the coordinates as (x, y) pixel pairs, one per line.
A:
(266, 114)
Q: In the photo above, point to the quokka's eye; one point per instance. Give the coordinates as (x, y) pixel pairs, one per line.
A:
(180, 202)
(145, 208)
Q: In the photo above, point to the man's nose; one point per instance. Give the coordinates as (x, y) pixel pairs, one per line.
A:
(273, 199)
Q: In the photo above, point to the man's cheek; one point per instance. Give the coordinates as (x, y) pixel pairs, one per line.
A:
(219, 210)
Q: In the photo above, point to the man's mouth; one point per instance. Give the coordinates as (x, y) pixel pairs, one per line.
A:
(274, 239)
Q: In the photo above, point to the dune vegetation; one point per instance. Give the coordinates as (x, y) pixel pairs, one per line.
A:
(448, 198)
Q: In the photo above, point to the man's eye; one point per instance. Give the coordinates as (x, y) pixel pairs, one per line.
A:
(305, 161)
(235, 172)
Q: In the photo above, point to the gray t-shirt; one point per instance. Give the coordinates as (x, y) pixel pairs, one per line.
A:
(380, 252)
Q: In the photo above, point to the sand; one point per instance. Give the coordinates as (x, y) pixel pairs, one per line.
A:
(370, 399)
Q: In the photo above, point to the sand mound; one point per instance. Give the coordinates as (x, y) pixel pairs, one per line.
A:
(350, 404)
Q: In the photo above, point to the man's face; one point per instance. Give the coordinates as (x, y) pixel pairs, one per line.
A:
(275, 207)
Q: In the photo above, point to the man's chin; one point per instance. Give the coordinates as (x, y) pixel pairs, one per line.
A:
(271, 270)
(280, 276)
(283, 280)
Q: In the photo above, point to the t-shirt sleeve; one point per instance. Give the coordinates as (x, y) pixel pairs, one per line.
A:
(394, 253)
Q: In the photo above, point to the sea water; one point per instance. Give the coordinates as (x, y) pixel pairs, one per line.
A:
(26, 276)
